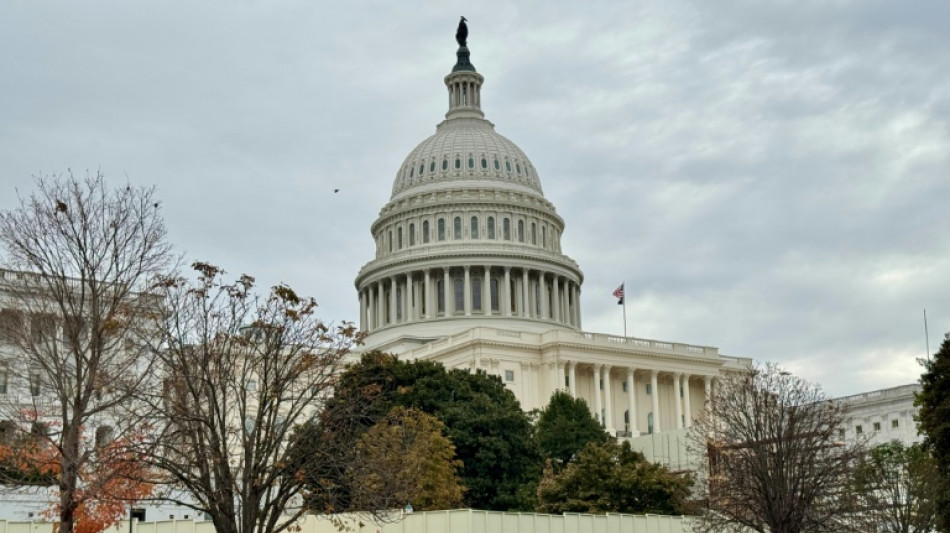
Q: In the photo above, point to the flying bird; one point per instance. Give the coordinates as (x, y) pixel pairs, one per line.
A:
(336, 191)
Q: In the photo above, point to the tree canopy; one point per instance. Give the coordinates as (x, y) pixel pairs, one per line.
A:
(933, 421)
(483, 420)
(565, 426)
(607, 477)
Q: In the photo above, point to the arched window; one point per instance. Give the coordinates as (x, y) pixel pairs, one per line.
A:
(494, 294)
(508, 165)
(506, 229)
(412, 234)
(411, 170)
(471, 162)
(476, 293)
(440, 290)
(445, 164)
(432, 167)
(518, 168)
(473, 230)
(390, 241)
(457, 226)
(496, 164)
(422, 168)
(425, 232)
(459, 294)
(521, 231)
(534, 234)
(491, 227)
(544, 236)
(441, 229)
(484, 163)
(399, 238)
(458, 163)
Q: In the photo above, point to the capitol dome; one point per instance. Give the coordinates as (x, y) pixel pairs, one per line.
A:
(467, 239)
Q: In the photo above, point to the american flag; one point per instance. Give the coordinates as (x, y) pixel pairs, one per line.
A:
(619, 294)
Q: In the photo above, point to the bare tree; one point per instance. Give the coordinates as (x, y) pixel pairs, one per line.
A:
(241, 373)
(79, 258)
(774, 464)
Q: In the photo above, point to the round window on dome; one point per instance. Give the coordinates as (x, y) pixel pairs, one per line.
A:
(471, 162)
(484, 163)
(458, 163)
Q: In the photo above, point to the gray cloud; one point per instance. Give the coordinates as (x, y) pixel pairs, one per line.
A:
(767, 178)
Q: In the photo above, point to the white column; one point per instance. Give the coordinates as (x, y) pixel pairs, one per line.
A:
(689, 408)
(556, 299)
(467, 292)
(486, 292)
(380, 304)
(577, 306)
(427, 294)
(526, 308)
(596, 392)
(677, 401)
(392, 300)
(656, 401)
(543, 293)
(560, 376)
(608, 403)
(448, 293)
(572, 378)
(632, 401)
(507, 291)
(407, 299)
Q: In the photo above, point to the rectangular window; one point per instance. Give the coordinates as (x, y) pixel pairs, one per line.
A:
(841, 434)
(441, 229)
(877, 426)
(858, 429)
(625, 386)
(457, 223)
(491, 227)
(509, 375)
(567, 381)
(11, 322)
(43, 327)
(895, 423)
(36, 383)
(425, 232)
(649, 389)
(476, 294)
(459, 294)
(474, 228)
(506, 229)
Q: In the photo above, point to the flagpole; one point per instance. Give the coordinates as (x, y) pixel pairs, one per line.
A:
(624, 299)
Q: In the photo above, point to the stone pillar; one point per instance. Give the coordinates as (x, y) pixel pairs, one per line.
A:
(555, 299)
(380, 303)
(689, 407)
(486, 292)
(596, 393)
(577, 306)
(608, 403)
(656, 401)
(392, 300)
(448, 293)
(526, 308)
(507, 291)
(407, 299)
(560, 376)
(427, 295)
(677, 400)
(632, 401)
(572, 378)
(543, 293)
(467, 292)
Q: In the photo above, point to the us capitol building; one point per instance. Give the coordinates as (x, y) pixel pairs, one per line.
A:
(469, 272)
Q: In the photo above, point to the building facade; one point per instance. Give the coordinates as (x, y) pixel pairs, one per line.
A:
(881, 416)
(469, 271)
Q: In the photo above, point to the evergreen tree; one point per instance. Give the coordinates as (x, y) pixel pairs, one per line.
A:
(933, 421)
(564, 427)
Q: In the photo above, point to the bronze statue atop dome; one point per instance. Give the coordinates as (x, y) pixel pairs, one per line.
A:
(461, 34)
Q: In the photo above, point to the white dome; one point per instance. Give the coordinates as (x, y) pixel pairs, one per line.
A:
(466, 150)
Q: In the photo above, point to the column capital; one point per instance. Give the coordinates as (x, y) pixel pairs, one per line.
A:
(654, 372)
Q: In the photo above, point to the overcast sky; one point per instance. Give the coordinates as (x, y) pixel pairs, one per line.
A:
(771, 178)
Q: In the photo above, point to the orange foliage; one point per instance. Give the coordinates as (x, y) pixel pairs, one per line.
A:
(108, 484)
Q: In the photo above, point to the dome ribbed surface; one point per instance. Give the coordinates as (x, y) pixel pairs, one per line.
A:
(466, 149)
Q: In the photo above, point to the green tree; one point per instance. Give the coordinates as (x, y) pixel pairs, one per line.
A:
(895, 489)
(406, 457)
(564, 427)
(492, 435)
(607, 477)
(933, 421)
